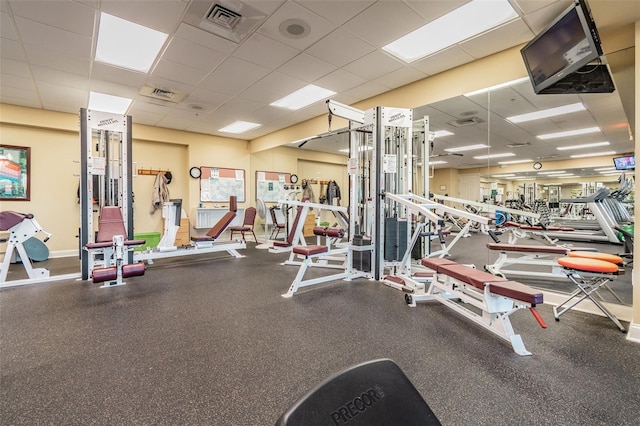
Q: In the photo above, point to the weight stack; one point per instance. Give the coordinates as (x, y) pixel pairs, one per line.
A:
(395, 238)
(361, 260)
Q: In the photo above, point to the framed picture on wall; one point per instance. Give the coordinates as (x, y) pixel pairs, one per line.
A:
(15, 178)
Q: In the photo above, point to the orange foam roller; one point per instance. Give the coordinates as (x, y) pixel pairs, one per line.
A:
(588, 265)
(597, 255)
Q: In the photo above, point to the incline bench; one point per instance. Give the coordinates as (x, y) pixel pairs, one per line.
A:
(216, 230)
(497, 298)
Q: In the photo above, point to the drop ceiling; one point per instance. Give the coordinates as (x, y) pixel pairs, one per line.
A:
(47, 50)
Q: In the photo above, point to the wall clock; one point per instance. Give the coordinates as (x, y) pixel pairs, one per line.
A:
(195, 172)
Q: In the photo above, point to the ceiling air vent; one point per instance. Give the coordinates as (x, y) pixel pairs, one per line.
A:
(173, 96)
(223, 17)
(462, 122)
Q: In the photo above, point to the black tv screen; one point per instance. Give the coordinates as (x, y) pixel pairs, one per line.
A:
(625, 163)
(563, 47)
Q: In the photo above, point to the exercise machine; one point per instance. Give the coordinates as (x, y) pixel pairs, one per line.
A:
(21, 228)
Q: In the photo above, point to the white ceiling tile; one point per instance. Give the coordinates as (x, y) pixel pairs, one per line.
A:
(400, 77)
(114, 89)
(7, 30)
(264, 51)
(192, 54)
(265, 6)
(55, 94)
(178, 72)
(66, 61)
(53, 38)
(11, 89)
(196, 108)
(142, 117)
(271, 88)
(173, 122)
(207, 97)
(11, 49)
(65, 15)
(319, 26)
(234, 76)
(306, 67)
(206, 39)
(188, 114)
(20, 97)
(531, 6)
(340, 81)
(431, 10)
(91, 3)
(18, 82)
(48, 75)
(10, 67)
(498, 39)
(351, 48)
(268, 114)
(113, 74)
(539, 18)
(240, 109)
(384, 22)
(156, 14)
(337, 12)
(73, 107)
(373, 65)
(151, 106)
(442, 61)
(366, 90)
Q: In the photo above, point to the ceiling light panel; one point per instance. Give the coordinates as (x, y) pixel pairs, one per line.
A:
(546, 113)
(593, 154)
(582, 146)
(497, 86)
(108, 103)
(239, 127)
(461, 24)
(301, 98)
(126, 44)
(565, 134)
(515, 162)
(504, 154)
(467, 148)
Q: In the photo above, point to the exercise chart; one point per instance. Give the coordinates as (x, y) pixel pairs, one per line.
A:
(270, 186)
(217, 184)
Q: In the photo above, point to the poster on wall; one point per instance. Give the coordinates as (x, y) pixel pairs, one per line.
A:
(15, 176)
(272, 186)
(217, 184)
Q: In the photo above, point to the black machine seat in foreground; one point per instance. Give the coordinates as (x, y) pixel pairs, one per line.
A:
(372, 393)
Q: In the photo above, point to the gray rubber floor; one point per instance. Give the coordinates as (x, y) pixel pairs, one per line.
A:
(210, 341)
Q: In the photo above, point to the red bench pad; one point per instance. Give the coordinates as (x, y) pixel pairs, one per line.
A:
(469, 275)
(436, 262)
(309, 250)
(517, 291)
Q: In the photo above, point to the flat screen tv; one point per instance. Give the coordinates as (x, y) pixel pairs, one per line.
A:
(563, 47)
(625, 163)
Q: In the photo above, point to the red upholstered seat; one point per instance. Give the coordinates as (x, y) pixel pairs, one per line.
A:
(599, 256)
(9, 219)
(435, 263)
(247, 224)
(517, 291)
(588, 265)
(469, 275)
(309, 250)
(528, 248)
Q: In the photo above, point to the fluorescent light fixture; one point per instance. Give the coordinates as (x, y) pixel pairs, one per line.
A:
(504, 154)
(504, 175)
(557, 172)
(360, 149)
(239, 127)
(460, 24)
(467, 148)
(303, 97)
(497, 86)
(576, 132)
(566, 176)
(583, 146)
(515, 161)
(602, 169)
(526, 178)
(435, 163)
(546, 113)
(593, 154)
(441, 133)
(562, 175)
(127, 45)
(108, 103)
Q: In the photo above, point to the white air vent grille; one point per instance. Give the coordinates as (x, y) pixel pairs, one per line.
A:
(173, 96)
(518, 145)
(223, 17)
(164, 94)
(466, 122)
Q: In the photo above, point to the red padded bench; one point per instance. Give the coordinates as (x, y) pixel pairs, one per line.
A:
(220, 226)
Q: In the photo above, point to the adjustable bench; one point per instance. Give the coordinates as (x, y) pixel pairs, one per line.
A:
(295, 233)
(111, 242)
(216, 230)
(532, 255)
(589, 272)
(494, 297)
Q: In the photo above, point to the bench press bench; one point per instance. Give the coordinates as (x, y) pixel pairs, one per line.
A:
(311, 252)
(531, 255)
(496, 298)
